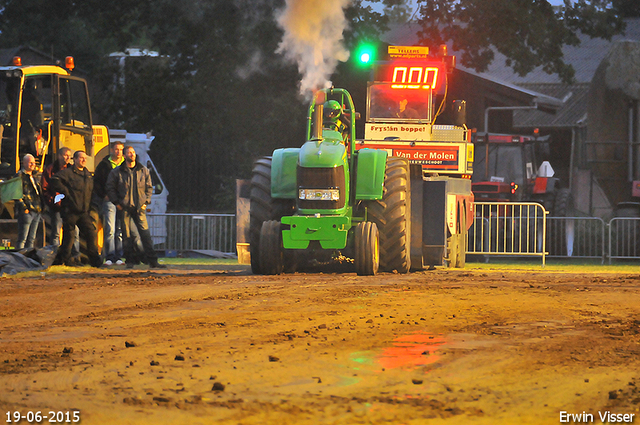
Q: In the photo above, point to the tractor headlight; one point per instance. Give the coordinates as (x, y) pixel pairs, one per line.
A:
(322, 188)
(319, 194)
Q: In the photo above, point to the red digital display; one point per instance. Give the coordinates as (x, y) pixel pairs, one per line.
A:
(415, 77)
(407, 75)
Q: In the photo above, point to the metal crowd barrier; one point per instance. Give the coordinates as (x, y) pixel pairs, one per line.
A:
(208, 233)
(576, 237)
(499, 229)
(508, 228)
(624, 238)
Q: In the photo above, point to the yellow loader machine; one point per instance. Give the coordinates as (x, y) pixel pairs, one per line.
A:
(42, 109)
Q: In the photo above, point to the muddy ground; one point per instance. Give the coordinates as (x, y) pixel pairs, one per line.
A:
(219, 345)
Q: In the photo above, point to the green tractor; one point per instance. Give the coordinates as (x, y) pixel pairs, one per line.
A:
(328, 197)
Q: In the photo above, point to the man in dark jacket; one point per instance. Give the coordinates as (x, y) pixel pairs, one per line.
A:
(130, 188)
(29, 207)
(63, 160)
(76, 184)
(111, 227)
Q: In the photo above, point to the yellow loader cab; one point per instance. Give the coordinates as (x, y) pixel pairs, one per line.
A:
(42, 109)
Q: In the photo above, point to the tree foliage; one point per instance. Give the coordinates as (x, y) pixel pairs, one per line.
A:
(627, 8)
(530, 33)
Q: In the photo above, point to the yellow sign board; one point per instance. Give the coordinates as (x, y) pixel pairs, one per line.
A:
(408, 52)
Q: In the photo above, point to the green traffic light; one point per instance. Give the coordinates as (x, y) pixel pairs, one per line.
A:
(366, 53)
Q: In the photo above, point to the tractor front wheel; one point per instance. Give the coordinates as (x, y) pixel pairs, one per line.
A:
(271, 252)
(367, 249)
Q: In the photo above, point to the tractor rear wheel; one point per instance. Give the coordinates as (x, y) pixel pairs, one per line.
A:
(263, 207)
(560, 232)
(392, 215)
(271, 251)
(563, 203)
(367, 249)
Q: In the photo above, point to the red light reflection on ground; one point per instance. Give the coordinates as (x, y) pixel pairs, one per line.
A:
(410, 351)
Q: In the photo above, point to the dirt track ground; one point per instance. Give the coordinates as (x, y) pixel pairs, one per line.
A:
(219, 345)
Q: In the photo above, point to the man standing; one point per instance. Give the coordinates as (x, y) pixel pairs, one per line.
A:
(111, 227)
(76, 184)
(129, 187)
(29, 207)
(63, 161)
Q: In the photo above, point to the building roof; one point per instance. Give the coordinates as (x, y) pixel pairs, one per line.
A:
(6, 55)
(528, 95)
(573, 112)
(585, 59)
(32, 56)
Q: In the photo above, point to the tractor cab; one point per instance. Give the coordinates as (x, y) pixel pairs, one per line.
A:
(331, 118)
(388, 104)
(41, 108)
(508, 167)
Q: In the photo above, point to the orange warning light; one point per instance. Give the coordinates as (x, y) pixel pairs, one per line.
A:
(68, 63)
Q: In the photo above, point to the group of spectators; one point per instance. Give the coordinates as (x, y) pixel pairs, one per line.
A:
(119, 193)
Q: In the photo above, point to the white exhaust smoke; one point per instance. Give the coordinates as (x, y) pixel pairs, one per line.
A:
(313, 39)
